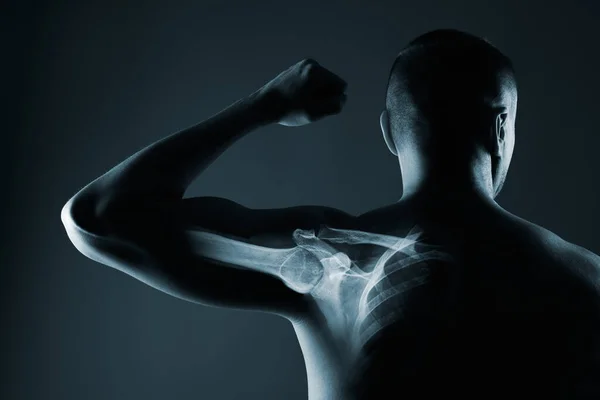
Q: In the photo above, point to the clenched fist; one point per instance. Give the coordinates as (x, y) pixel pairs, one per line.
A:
(304, 93)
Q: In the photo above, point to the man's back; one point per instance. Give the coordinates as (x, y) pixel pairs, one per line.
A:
(514, 312)
(491, 306)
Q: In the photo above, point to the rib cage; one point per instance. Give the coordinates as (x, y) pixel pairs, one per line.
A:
(361, 295)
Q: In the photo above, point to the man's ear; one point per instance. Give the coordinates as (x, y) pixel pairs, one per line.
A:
(384, 122)
(497, 135)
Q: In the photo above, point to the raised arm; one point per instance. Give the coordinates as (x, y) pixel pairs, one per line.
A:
(134, 217)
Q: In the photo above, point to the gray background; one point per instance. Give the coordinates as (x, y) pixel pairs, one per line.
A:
(89, 83)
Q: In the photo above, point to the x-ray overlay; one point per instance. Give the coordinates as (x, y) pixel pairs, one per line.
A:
(348, 272)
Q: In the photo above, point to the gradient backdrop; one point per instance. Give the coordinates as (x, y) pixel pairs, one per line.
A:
(91, 82)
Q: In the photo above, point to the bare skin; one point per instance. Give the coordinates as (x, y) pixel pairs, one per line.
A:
(471, 300)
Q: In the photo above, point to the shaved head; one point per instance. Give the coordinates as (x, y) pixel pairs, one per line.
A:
(451, 102)
(446, 79)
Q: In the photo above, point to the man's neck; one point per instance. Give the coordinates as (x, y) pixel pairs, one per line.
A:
(449, 198)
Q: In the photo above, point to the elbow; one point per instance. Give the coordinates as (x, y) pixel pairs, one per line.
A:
(66, 213)
(89, 235)
(74, 231)
(81, 212)
(80, 219)
(83, 228)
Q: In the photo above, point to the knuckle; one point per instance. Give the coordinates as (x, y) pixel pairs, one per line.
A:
(308, 66)
(308, 70)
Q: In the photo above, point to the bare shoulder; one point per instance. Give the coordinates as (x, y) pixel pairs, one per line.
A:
(570, 257)
(583, 262)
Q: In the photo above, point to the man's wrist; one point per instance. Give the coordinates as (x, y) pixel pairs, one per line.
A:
(266, 106)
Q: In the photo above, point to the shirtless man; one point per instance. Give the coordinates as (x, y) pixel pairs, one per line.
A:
(441, 293)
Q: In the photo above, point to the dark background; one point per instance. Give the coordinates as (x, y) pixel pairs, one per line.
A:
(86, 84)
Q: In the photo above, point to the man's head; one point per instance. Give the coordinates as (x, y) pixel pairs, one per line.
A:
(451, 101)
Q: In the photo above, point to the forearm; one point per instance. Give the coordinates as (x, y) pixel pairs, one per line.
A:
(163, 170)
